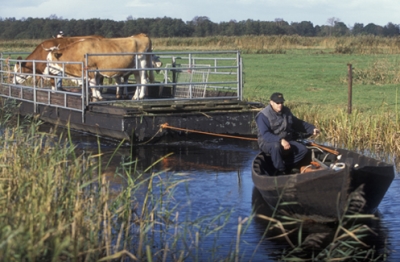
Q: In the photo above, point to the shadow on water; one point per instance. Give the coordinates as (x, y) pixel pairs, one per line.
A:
(219, 175)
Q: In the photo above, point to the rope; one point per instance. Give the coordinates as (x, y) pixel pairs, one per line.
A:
(165, 126)
(159, 130)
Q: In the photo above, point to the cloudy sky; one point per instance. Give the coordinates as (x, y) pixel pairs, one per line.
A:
(316, 11)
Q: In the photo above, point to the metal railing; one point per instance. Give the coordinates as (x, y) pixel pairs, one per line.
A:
(224, 73)
(33, 88)
(217, 73)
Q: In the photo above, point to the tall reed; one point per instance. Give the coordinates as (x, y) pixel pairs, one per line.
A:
(375, 133)
(57, 205)
(255, 44)
(350, 239)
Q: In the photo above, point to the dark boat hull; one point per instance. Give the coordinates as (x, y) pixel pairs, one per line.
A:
(324, 195)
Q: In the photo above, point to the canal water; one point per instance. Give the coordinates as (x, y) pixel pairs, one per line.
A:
(219, 180)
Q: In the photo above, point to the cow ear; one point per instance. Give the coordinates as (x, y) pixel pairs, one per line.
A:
(57, 55)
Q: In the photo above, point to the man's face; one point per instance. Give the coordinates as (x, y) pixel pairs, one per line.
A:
(277, 107)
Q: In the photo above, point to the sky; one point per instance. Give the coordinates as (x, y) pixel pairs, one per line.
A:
(316, 11)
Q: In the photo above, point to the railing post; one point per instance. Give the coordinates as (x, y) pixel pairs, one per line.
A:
(350, 88)
(239, 78)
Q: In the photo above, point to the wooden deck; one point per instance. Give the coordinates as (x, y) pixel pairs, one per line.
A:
(139, 121)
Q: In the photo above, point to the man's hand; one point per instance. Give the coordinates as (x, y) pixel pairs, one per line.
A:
(285, 144)
(316, 131)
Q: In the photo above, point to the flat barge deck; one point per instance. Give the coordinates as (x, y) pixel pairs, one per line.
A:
(172, 108)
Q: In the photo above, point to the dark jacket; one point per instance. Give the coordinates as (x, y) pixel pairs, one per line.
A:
(273, 126)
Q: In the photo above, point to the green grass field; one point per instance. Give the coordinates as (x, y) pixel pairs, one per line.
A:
(320, 79)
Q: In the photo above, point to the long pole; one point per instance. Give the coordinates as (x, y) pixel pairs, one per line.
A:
(350, 89)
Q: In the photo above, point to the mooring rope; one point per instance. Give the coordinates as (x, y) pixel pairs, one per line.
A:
(166, 126)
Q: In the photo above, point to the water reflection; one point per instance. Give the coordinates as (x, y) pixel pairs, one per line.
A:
(219, 175)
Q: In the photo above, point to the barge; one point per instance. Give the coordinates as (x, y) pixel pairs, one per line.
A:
(194, 93)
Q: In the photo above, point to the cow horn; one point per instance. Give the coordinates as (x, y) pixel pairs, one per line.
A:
(46, 49)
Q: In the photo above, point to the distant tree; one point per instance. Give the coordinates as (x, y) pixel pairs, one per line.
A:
(304, 28)
(54, 17)
(323, 30)
(252, 27)
(271, 28)
(202, 26)
(35, 28)
(109, 28)
(199, 26)
(279, 21)
(146, 25)
(331, 22)
(391, 30)
(231, 28)
(340, 29)
(358, 29)
(372, 29)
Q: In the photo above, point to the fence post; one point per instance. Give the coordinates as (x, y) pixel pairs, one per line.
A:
(350, 89)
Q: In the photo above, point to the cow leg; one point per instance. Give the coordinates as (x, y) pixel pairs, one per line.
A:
(143, 89)
(118, 89)
(125, 89)
(125, 94)
(143, 78)
(96, 94)
(137, 92)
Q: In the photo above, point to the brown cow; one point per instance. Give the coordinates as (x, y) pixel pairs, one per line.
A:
(140, 43)
(40, 53)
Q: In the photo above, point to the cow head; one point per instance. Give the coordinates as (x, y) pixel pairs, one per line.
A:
(20, 78)
(53, 54)
(54, 50)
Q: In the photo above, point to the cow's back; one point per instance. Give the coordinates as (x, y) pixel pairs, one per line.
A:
(41, 51)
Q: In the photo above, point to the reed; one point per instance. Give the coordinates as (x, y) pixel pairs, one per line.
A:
(57, 205)
(347, 240)
(375, 134)
(279, 44)
(366, 44)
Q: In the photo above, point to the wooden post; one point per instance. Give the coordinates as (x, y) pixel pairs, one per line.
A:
(350, 89)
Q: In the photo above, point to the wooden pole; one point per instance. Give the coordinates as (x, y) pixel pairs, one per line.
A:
(350, 89)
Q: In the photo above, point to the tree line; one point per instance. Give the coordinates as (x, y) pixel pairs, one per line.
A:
(199, 26)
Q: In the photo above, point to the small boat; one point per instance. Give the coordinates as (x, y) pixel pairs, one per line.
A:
(323, 186)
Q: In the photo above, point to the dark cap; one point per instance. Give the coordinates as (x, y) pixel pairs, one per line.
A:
(277, 98)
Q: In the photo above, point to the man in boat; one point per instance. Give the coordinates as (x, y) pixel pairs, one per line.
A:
(277, 129)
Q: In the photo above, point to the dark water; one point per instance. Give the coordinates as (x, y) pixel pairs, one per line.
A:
(220, 180)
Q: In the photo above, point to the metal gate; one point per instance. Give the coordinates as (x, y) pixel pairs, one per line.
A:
(183, 76)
